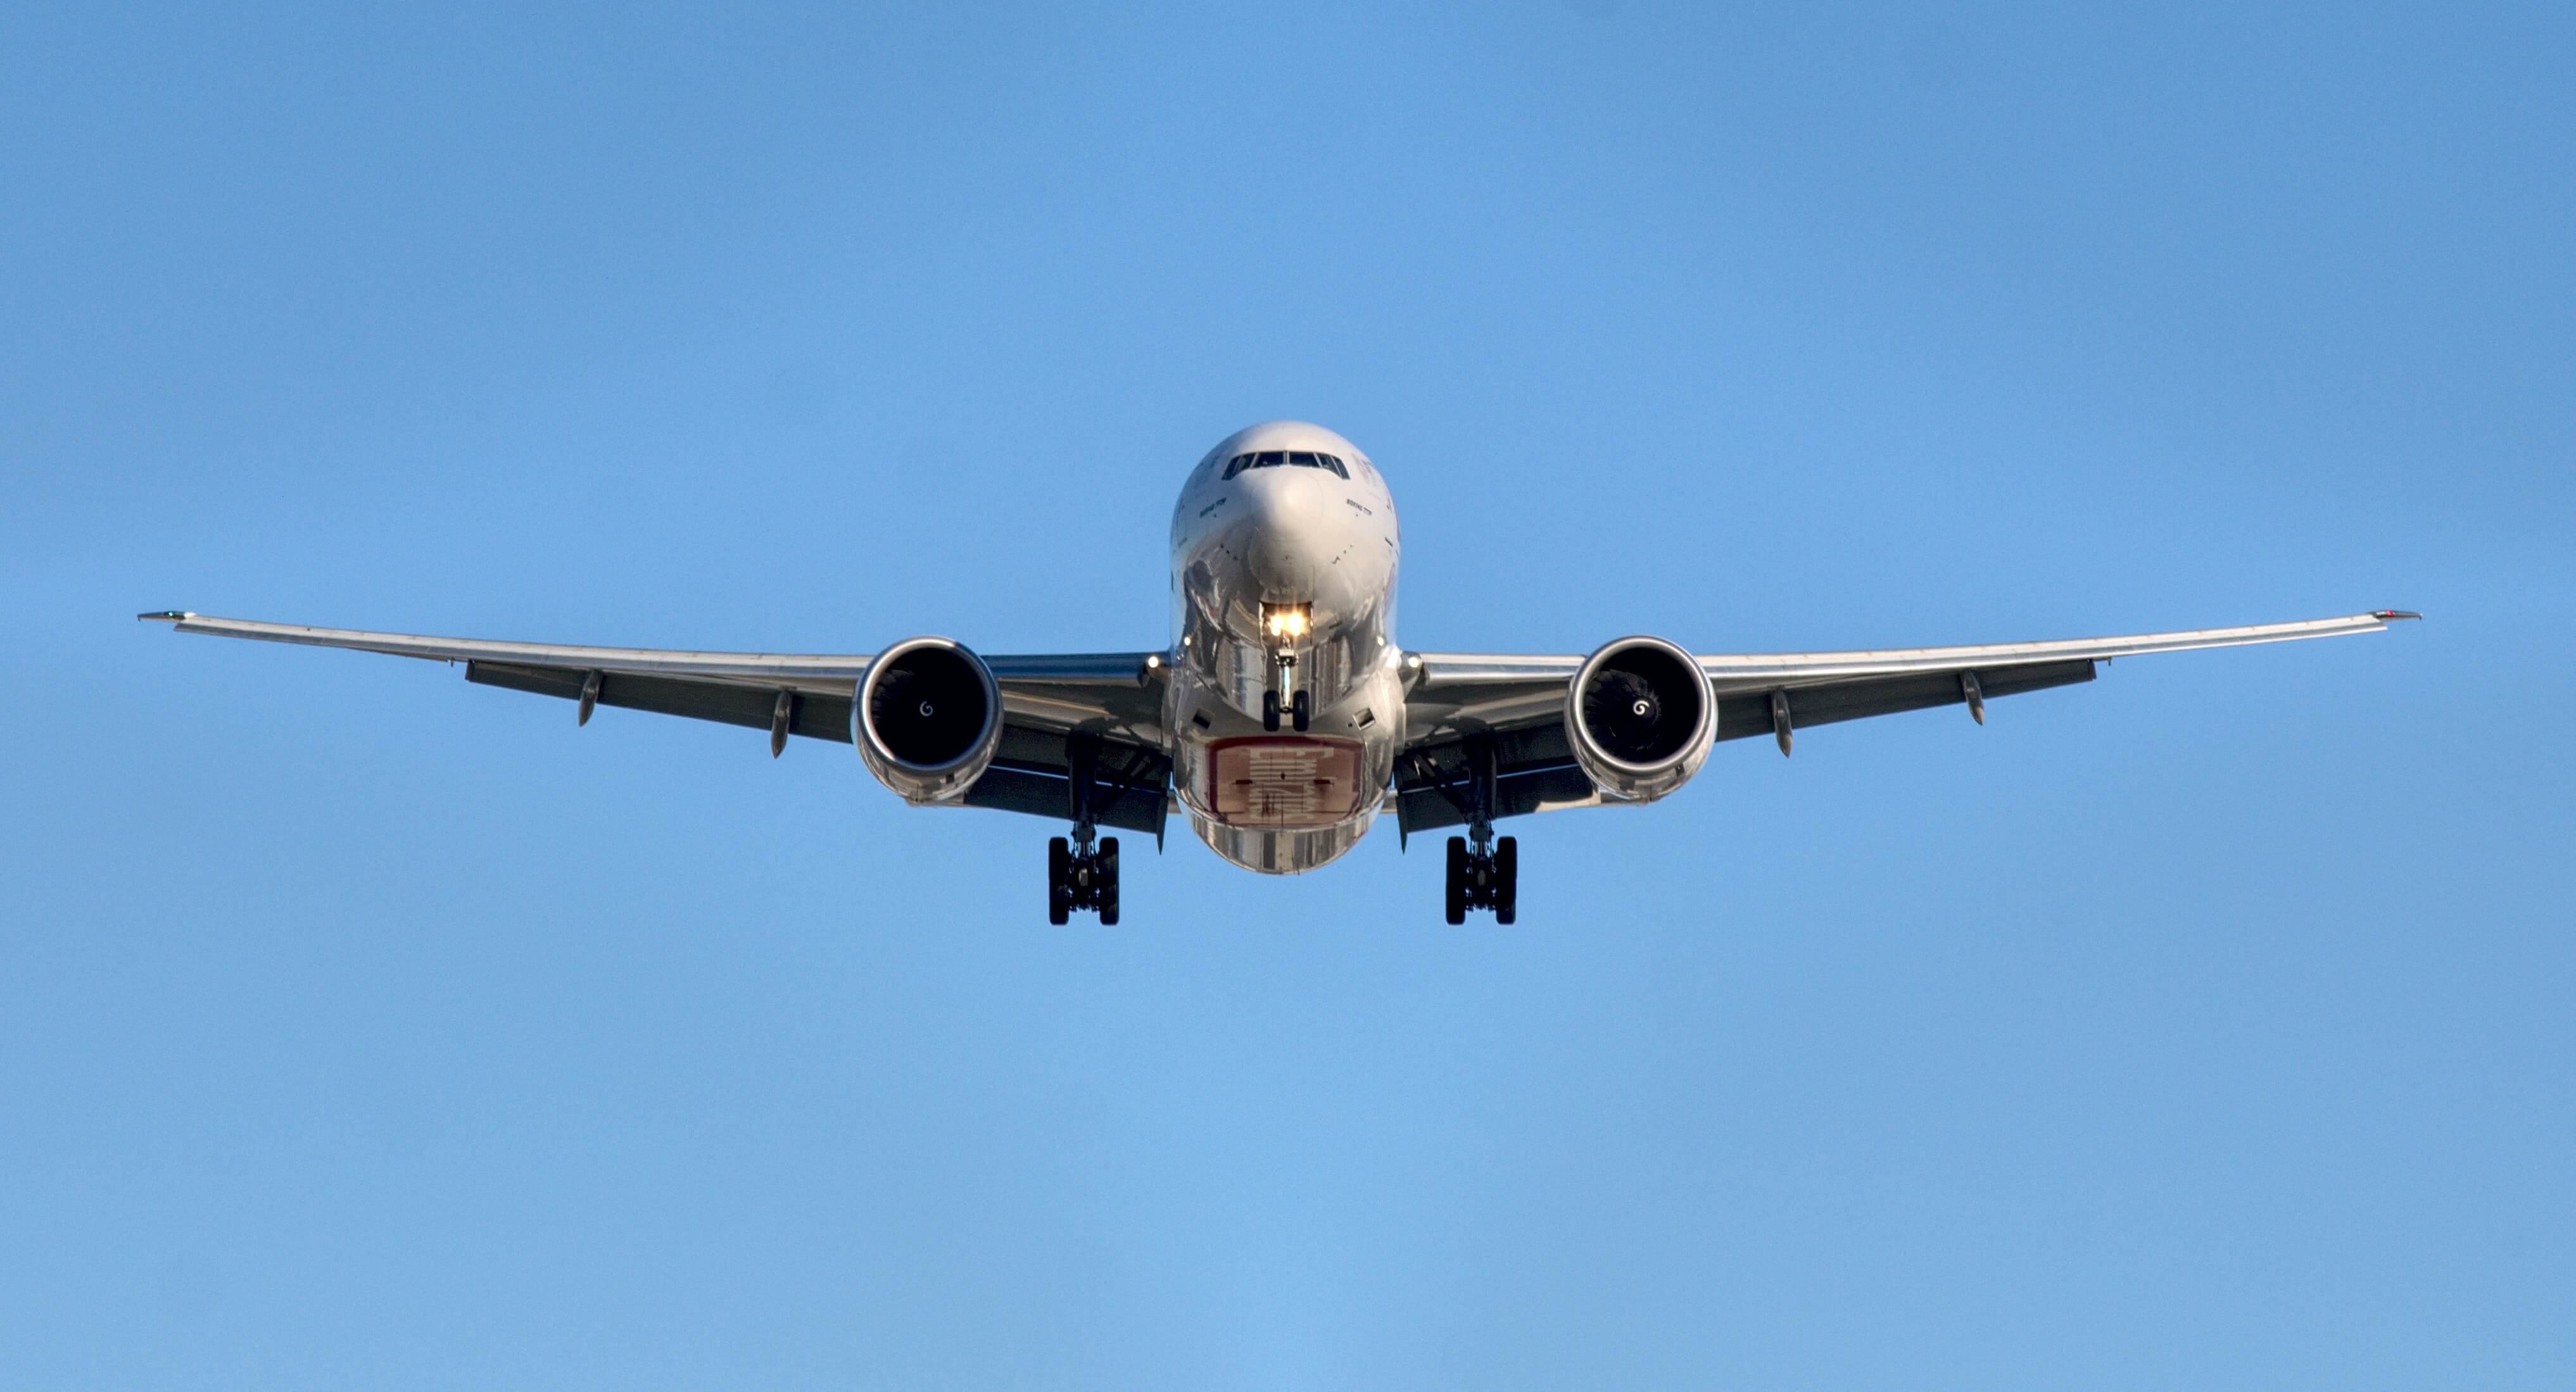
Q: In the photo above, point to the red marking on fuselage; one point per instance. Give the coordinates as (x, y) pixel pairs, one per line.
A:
(1284, 781)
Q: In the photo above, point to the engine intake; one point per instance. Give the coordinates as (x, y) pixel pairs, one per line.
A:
(1640, 716)
(927, 719)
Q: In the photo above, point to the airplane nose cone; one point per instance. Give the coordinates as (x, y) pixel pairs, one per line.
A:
(1283, 538)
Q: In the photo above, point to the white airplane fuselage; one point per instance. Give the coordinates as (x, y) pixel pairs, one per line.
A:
(1284, 550)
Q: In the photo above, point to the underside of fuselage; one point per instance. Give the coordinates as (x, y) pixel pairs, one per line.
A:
(1286, 699)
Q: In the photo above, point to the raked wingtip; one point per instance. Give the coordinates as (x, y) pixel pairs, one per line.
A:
(168, 615)
(2390, 615)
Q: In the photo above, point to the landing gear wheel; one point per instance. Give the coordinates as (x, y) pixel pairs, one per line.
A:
(1270, 710)
(1299, 709)
(1456, 900)
(1484, 879)
(1059, 881)
(1104, 881)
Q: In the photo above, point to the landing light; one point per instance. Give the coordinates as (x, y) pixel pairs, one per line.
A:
(1284, 620)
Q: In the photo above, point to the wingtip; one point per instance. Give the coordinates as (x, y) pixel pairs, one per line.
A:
(2390, 615)
(167, 615)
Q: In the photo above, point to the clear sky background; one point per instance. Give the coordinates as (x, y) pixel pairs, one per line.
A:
(2206, 1026)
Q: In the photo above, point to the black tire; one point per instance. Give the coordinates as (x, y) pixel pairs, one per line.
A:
(1457, 898)
(1104, 876)
(1299, 709)
(1507, 879)
(1270, 710)
(1059, 881)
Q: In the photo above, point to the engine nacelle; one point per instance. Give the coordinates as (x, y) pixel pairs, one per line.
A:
(1641, 717)
(927, 719)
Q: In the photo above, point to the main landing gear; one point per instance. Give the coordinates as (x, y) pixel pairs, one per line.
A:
(1084, 878)
(1484, 870)
(1082, 869)
(1484, 879)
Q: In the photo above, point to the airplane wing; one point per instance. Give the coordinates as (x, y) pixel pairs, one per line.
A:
(1050, 702)
(1519, 701)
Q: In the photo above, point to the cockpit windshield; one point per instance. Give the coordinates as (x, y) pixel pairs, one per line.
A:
(1299, 459)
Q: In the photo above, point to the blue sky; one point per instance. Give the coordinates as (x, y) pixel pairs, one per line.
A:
(2203, 1026)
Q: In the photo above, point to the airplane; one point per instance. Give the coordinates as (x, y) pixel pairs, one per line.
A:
(1283, 719)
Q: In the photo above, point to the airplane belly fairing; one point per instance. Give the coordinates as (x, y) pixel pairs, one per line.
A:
(1262, 798)
(1280, 852)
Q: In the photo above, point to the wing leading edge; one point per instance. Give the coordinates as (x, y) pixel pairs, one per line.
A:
(826, 671)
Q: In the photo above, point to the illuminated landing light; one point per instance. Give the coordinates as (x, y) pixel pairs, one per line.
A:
(1286, 622)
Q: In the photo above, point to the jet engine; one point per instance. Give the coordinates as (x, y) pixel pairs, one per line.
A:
(927, 718)
(1640, 716)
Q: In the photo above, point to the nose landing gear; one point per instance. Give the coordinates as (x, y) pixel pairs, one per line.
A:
(1285, 697)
